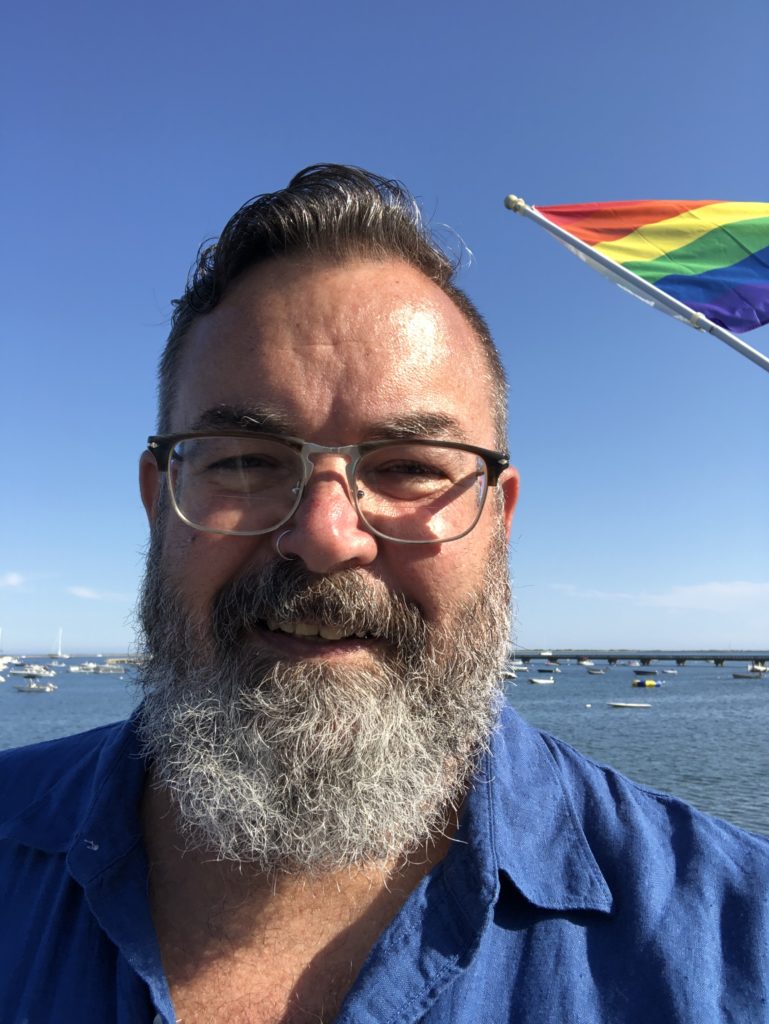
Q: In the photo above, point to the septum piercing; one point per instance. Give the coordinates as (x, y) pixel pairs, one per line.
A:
(292, 558)
(278, 539)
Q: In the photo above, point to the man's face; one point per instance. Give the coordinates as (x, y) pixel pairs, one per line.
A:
(294, 751)
(335, 354)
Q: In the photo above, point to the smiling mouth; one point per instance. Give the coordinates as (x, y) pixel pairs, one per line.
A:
(317, 630)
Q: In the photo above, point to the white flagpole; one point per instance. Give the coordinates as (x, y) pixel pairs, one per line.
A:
(632, 282)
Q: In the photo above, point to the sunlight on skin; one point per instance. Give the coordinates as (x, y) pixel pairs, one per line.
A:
(422, 346)
(369, 342)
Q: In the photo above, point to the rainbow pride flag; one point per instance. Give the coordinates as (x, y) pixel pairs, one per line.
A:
(711, 256)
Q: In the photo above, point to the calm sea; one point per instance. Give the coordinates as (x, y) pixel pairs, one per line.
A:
(704, 738)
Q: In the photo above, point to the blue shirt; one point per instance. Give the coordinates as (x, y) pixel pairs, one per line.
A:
(571, 896)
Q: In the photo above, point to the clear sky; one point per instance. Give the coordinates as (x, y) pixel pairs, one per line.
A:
(131, 132)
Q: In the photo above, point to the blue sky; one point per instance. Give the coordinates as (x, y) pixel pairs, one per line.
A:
(130, 134)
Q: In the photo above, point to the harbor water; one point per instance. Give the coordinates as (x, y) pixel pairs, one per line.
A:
(704, 738)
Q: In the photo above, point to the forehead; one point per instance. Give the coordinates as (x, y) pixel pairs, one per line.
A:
(333, 351)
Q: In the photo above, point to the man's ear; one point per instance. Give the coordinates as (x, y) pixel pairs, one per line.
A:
(509, 481)
(149, 485)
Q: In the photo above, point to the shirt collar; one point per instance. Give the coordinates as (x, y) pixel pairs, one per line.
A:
(535, 834)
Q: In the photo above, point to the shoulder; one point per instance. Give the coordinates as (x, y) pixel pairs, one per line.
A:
(666, 887)
(623, 805)
(627, 823)
(28, 773)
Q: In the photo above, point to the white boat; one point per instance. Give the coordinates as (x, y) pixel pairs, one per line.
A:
(626, 704)
(542, 680)
(33, 686)
(86, 666)
(33, 670)
(670, 671)
(586, 662)
(596, 671)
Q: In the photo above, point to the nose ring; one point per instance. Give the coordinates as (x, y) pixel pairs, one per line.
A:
(278, 539)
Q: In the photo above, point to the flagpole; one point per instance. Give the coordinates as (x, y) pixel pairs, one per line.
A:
(637, 284)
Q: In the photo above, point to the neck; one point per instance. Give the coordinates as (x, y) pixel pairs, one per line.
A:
(240, 945)
(206, 900)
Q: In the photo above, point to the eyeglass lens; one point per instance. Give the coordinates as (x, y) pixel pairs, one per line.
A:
(249, 486)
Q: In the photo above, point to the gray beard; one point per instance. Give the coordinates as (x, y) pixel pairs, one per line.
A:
(297, 766)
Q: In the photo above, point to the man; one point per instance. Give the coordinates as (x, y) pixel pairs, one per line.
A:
(320, 812)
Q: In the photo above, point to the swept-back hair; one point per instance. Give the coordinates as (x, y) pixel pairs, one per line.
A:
(335, 212)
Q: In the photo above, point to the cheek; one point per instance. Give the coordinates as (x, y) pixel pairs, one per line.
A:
(199, 564)
(442, 580)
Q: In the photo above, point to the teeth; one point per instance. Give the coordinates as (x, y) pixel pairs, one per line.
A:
(300, 628)
(310, 629)
(331, 632)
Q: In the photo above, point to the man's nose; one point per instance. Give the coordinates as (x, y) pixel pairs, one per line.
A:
(326, 531)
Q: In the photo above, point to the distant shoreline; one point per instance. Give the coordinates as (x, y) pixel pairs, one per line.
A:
(609, 654)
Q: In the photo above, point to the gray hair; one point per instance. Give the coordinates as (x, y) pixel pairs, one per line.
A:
(335, 212)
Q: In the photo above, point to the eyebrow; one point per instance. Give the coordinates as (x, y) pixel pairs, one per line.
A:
(417, 424)
(237, 417)
(262, 419)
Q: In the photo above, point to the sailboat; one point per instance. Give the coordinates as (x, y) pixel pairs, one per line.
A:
(58, 653)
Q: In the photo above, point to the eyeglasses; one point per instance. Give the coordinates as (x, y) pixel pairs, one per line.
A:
(245, 483)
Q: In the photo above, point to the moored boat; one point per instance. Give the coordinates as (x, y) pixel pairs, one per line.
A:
(33, 686)
(33, 670)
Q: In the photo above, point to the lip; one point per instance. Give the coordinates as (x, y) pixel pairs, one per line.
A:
(289, 645)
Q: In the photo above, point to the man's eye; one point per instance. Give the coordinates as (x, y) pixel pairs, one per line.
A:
(406, 479)
(413, 469)
(242, 464)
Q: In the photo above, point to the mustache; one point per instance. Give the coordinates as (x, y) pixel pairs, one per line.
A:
(351, 600)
